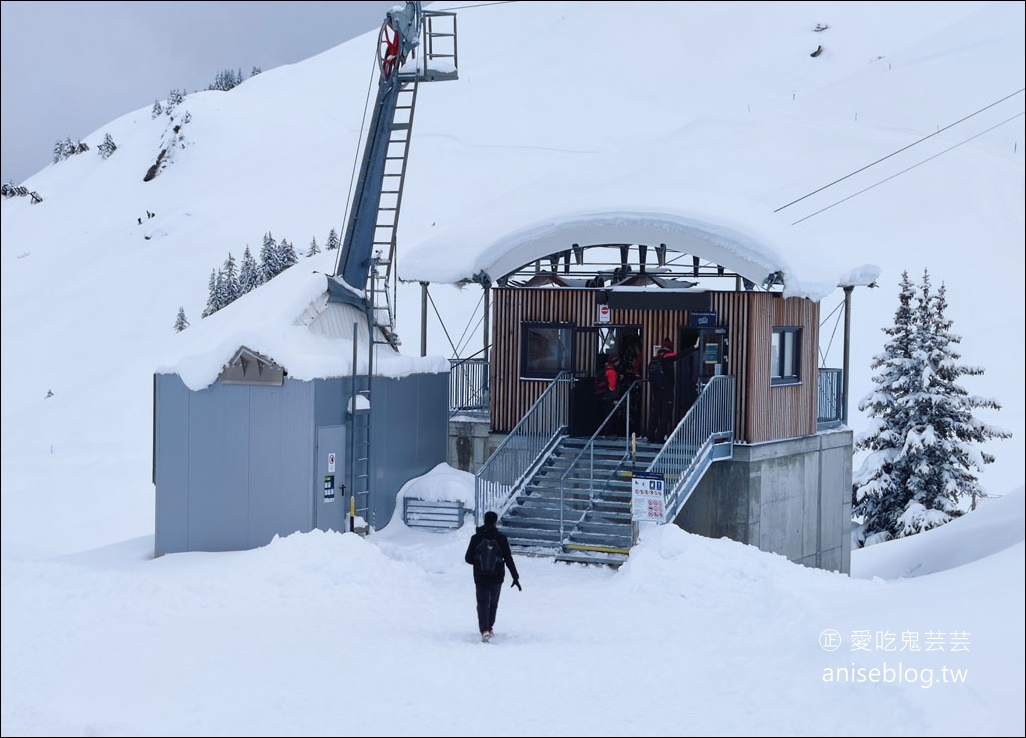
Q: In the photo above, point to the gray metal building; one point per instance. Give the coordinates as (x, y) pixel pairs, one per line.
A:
(258, 453)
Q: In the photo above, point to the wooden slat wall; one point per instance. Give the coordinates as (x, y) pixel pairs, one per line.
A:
(763, 412)
(511, 397)
(732, 310)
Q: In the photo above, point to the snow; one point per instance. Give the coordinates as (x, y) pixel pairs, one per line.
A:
(290, 321)
(689, 121)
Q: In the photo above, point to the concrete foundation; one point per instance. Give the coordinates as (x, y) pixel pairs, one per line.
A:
(790, 497)
(469, 443)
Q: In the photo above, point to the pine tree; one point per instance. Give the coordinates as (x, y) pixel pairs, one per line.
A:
(875, 487)
(270, 263)
(157, 109)
(212, 306)
(249, 273)
(287, 254)
(226, 80)
(230, 289)
(174, 99)
(941, 452)
(181, 322)
(332, 241)
(106, 148)
(314, 248)
(923, 445)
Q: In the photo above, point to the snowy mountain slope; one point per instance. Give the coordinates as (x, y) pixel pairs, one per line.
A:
(659, 100)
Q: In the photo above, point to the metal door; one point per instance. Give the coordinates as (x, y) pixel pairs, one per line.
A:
(332, 501)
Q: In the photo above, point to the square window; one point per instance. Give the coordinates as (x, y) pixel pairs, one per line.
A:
(785, 352)
(546, 349)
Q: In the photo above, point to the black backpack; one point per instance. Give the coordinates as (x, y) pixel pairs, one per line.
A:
(488, 557)
(657, 378)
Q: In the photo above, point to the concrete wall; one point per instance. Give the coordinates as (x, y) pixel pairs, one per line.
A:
(469, 444)
(789, 497)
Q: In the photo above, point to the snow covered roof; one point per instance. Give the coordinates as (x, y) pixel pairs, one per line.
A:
(289, 321)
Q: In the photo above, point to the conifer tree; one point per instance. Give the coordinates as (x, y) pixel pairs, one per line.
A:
(332, 240)
(875, 487)
(230, 288)
(270, 262)
(314, 248)
(222, 290)
(157, 110)
(106, 148)
(249, 273)
(174, 99)
(925, 444)
(181, 322)
(287, 255)
(212, 306)
(942, 448)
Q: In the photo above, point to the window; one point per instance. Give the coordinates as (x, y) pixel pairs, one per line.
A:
(545, 349)
(784, 354)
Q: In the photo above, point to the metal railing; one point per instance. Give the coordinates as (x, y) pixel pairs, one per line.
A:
(514, 461)
(830, 402)
(587, 455)
(687, 451)
(468, 386)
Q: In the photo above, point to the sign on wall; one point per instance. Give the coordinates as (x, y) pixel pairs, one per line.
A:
(648, 499)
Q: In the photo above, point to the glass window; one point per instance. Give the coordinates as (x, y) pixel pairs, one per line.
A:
(545, 349)
(785, 352)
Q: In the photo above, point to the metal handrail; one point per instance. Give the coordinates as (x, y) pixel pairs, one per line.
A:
(589, 449)
(468, 385)
(709, 421)
(830, 396)
(515, 459)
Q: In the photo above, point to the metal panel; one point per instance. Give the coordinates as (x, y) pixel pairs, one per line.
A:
(218, 468)
(332, 508)
(171, 464)
(234, 464)
(280, 459)
(409, 433)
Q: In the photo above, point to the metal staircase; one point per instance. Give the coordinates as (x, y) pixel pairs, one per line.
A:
(571, 498)
(579, 512)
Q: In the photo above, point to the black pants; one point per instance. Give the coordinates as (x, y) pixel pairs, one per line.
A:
(660, 421)
(487, 604)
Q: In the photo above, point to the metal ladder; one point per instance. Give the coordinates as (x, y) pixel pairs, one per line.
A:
(438, 45)
(360, 446)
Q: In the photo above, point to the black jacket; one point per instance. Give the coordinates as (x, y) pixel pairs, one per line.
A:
(490, 531)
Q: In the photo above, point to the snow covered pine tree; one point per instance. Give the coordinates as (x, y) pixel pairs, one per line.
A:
(924, 442)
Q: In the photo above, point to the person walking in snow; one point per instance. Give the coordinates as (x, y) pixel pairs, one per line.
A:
(490, 555)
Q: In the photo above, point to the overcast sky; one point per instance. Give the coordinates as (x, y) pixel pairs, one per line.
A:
(71, 67)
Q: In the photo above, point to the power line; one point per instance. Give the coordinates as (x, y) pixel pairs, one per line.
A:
(897, 174)
(904, 148)
(478, 5)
